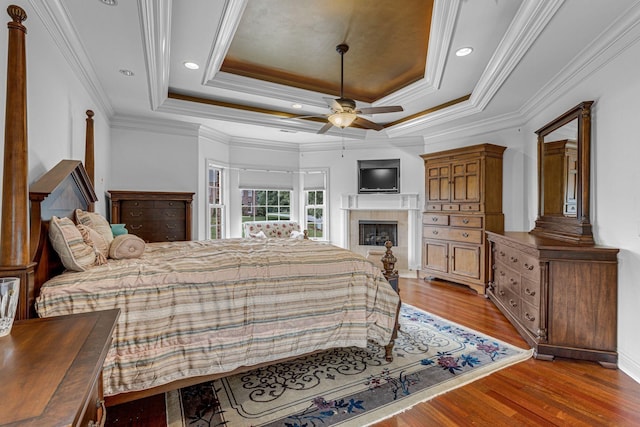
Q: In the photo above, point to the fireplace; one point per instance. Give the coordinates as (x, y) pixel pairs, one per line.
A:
(376, 232)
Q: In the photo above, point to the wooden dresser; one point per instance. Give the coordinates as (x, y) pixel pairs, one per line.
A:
(52, 370)
(560, 296)
(463, 192)
(154, 216)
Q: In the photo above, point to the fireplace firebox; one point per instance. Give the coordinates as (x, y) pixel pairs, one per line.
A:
(376, 233)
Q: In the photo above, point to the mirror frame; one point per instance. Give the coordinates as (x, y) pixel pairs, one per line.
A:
(574, 229)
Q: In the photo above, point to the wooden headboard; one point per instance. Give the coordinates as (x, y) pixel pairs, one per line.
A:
(25, 250)
(59, 192)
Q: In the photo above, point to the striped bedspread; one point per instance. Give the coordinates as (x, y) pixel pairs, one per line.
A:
(205, 307)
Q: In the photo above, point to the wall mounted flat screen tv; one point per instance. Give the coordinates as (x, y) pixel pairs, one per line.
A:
(379, 176)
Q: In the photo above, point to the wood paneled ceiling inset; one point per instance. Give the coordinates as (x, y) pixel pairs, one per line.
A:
(293, 42)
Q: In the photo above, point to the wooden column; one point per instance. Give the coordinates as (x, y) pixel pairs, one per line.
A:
(14, 227)
(89, 162)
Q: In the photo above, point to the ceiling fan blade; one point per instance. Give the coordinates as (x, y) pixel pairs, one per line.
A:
(377, 110)
(325, 128)
(367, 124)
(303, 117)
(333, 104)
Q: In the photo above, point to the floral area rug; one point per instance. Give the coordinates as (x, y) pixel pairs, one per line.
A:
(349, 386)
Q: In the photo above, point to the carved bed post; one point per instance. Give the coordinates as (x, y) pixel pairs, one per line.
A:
(89, 162)
(14, 251)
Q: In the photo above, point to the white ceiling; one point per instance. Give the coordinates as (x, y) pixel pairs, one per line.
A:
(524, 52)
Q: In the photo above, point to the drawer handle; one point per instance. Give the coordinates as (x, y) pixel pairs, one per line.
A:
(513, 303)
(529, 317)
(501, 292)
(435, 231)
(170, 226)
(434, 219)
(501, 253)
(528, 267)
(529, 292)
(513, 259)
(512, 281)
(465, 221)
(135, 214)
(502, 273)
(135, 227)
(170, 214)
(465, 234)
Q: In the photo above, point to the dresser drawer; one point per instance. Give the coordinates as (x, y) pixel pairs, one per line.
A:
(451, 207)
(433, 207)
(506, 278)
(435, 219)
(470, 207)
(465, 221)
(456, 234)
(526, 265)
(168, 204)
(510, 300)
(530, 317)
(530, 291)
(136, 204)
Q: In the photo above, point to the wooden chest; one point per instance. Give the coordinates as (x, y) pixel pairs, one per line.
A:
(560, 296)
(153, 216)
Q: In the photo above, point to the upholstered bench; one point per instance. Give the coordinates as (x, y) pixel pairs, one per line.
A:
(273, 229)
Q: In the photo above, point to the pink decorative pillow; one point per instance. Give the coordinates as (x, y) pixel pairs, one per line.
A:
(95, 221)
(126, 246)
(68, 242)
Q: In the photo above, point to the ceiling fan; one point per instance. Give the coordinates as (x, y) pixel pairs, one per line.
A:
(344, 111)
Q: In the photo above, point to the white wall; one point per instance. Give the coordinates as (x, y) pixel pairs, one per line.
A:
(153, 157)
(343, 169)
(615, 195)
(56, 106)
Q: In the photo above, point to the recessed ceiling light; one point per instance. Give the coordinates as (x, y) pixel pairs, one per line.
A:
(464, 51)
(297, 106)
(109, 2)
(191, 65)
(127, 73)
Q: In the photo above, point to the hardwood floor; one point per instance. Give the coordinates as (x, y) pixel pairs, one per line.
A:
(532, 393)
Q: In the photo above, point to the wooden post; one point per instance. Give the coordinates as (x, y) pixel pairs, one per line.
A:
(14, 227)
(89, 156)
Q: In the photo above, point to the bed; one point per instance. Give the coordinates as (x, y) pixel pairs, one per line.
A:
(190, 311)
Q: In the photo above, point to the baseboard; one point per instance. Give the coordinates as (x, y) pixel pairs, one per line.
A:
(629, 367)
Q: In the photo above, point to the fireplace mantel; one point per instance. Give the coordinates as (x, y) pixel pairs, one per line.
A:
(396, 202)
(405, 202)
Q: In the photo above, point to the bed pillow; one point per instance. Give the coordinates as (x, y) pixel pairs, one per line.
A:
(96, 241)
(259, 235)
(97, 222)
(68, 242)
(126, 246)
(297, 235)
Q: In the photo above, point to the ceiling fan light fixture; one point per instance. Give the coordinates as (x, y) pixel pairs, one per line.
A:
(342, 119)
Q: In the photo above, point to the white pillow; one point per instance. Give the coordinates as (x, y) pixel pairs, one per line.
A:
(259, 235)
(298, 235)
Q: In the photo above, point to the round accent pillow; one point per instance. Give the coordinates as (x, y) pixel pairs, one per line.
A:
(126, 246)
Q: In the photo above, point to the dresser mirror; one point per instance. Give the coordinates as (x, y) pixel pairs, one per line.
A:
(563, 176)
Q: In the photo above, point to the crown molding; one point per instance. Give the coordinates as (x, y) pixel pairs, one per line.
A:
(443, 20)
(154, 125)
(255, 143)
(155, 24)
(530, 20)
(532, 17)
(57, 21)
(227, 27)
(214, 135)
(614, 40)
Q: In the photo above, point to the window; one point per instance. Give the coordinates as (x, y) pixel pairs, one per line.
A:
(314, 209)
(269, 205)
(216, 206)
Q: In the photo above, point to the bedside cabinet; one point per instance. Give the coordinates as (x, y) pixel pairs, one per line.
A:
(154, 216)
(52, 370)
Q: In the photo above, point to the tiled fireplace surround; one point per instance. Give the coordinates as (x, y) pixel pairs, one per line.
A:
(403, 208)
